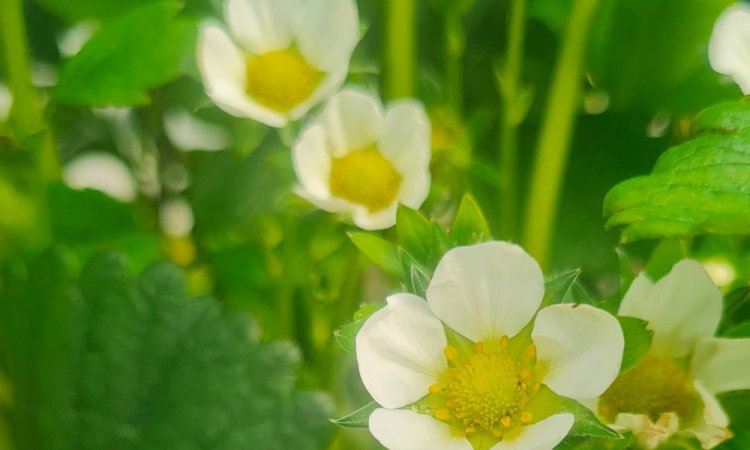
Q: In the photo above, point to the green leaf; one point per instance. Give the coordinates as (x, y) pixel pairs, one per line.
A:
(626, 271)
(418, 277)
(470, 226)
(723, 118)
(637, 341)
(736, 310)
(701, 186)
(664, 256)
(737, 405)
(346, 335)
(557, 288)
(114, 360)
(131, 54)
(357, 419)
(546, 403)
(381, 252)
(415, 234)
(76, 10)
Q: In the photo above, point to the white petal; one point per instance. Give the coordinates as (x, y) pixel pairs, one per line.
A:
(398, 429)
(711, 427)
(353, 119)
(581, 346)
(222, 67)
(400, 351)
(729, 47)
(487, 290)
(722, 365)
(312, 162)
(415, 187)
(405, 139)
(329, 204)
(329, 34)
(543, 435)
(379, 220)
(264, 25)
(648, 434)
(103, 172)
(681, 308)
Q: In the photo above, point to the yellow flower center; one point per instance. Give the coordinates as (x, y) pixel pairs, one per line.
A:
(485, 393)
(366, 178)
(281, 79)
(657, 385)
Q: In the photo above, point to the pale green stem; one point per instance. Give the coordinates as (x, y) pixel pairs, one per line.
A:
(554, 139)
(454, 50)
(26, 115)
(400, 49)
(511, 115)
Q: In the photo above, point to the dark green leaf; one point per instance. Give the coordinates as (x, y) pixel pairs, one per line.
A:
(357, 419)
(381, 252)
(736, 309)
(701, 186)
(737, 406)
(111, 360)
(131, 54)
(469, 226)
(637, 341)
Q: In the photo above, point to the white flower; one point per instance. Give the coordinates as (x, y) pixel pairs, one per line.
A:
(102, 172)
(284, 56)
(358, 159)
(673, 388)
(467, 369)
(729, 47)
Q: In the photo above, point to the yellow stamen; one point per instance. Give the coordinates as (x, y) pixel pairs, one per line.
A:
(281, 79)
(450, 353)
(525, 373)
(526, 417)
(531, 351)
(435, 388)
(504, 342)
(505, 421)
(366, 178)
(442, 414)
(479, 347)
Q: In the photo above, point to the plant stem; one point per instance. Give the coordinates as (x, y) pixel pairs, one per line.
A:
(400, 49)
(554, 139)
(513, 110)
(26, 115)
(454, 45)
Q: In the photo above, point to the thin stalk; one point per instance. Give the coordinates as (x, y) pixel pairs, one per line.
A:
(553, 146)
(26, 115)
(400, 49)
(513, 110)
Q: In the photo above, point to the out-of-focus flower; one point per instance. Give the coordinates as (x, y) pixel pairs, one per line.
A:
(282, 58)
(360, 159)
(468, 369)
(102, 172)
(673, 389)
(729, 47)
(189, 133)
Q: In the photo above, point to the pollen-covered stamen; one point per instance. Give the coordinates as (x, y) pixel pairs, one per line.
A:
(655, 386)
(281, 79)
(366, 178)
(488, 390)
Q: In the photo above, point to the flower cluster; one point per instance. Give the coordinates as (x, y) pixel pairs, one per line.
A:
(280, 59)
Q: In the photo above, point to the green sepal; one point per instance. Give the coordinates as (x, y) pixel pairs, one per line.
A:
(470, 225)
(382, 253)
(357, 419)
(346, 335)
(637, 341)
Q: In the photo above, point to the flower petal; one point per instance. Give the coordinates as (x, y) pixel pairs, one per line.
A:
(722, 365)
(711, 427)
(399, 429)
(729, 47)
(379, 220)
(312, 162)
(681, 308)
(264, 25)
(329, 34)
(648, 434)
(327, 87)
(543, 435)
(400, 351)
(487, 290)
(353, 119)
(581, 346)
(222, 67)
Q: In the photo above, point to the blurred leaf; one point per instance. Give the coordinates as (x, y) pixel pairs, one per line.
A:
(665, 255)
(415, 234)
(109, 360)
(417, 276)
(470, 226)
(76, 10)
(736, 310)
(357, 419)
(700, 186)
(637, 341)
(381, 252)
(557, 288)
(347, 334)
(131, 54)
(737, 405)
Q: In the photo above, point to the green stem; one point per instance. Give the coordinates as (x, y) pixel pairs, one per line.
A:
(26, 115)
(513, 110)
(554, 139)
(400, 49)
(454, 44)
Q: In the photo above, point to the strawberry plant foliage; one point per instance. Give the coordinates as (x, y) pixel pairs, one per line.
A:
(111, 360)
